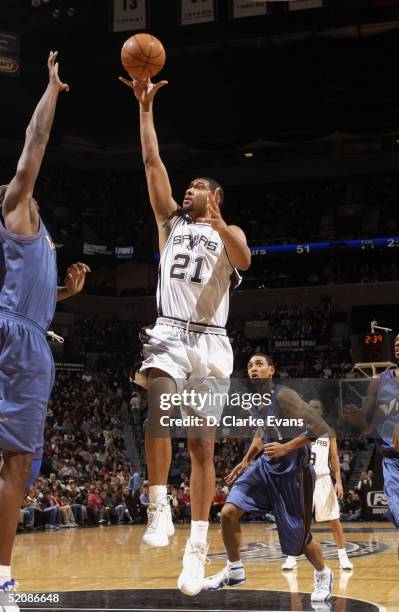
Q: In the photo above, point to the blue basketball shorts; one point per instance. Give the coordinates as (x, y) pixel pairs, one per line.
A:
(390, 466)
(289, 496)
(26, 380)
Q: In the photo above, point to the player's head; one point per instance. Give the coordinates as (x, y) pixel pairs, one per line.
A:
(195, 198)
(260, 367)
(316, 405)
(396, 348)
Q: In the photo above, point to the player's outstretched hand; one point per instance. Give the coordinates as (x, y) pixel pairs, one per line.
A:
(53, 72)
(236, 472)
(275, 449)
(214, 217)
(75, 277)
(143, 90)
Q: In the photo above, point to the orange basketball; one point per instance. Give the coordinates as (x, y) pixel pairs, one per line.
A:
(143, 56)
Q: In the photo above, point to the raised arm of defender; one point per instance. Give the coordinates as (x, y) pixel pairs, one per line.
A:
(19, 216)
(160, 192)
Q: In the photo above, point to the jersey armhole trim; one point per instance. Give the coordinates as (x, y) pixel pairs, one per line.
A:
(172, 229)
(21, 237)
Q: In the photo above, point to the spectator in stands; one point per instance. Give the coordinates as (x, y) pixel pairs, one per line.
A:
(96, 504)
(351, 507)
(52, 515)
(363, 481)
(177, 509)
(217, 503)
(58, 499)
(121, 509)
(134, 481)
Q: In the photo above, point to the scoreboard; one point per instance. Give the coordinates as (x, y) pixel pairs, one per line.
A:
(373, 347)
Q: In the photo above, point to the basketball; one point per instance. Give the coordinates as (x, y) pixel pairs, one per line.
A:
(143, 56)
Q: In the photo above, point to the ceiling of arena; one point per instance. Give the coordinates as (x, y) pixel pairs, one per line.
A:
(231, 83)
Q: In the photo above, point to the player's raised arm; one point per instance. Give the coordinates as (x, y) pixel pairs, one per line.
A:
(162, 202)
(19, 216)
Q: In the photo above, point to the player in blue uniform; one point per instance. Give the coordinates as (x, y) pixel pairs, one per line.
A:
(382, 413)
(282, 479)
(28, 281)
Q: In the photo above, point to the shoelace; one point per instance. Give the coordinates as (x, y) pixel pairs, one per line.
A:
(198, 551)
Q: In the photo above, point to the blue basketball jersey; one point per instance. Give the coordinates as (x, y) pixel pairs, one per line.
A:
(28, 275)
(386, 413)
(279, 433)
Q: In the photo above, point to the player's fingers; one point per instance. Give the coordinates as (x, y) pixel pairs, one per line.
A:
(83, 266)
(159, 85)
(213, 206)
(126, 82)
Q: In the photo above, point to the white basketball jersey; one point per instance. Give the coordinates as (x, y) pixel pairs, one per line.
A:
(194, 275)
(320, 454)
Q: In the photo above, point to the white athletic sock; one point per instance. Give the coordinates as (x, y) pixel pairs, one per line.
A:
(5, 573)
(233, 565)
(199, 532)
(341, 552)
(323, 571)
(158, 494)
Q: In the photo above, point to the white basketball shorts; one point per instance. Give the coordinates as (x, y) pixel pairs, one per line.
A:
(198, 360)
(325, 500)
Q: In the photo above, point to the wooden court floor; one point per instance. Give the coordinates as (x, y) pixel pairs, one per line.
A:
(111, 558)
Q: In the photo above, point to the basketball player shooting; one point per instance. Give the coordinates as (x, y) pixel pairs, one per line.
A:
(282, 478)
(28, 273)
(199, 255)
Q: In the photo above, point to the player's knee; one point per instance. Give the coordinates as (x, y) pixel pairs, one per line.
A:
(161, 389)
(17, 466)
(229, 514)
(201, 450)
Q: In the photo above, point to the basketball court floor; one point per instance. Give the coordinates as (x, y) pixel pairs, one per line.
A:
(109, 568)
